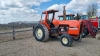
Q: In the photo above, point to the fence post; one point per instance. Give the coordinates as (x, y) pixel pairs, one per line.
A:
(5, 26)
(26, 25)
(13, 32)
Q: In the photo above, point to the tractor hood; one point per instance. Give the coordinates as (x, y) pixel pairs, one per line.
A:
(71, 23)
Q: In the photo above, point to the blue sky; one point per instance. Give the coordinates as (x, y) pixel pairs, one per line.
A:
(48, 4)
(45, 5)
(30, 10)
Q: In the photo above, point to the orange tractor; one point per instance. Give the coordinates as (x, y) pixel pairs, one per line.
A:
(50, 27)
(89, 28)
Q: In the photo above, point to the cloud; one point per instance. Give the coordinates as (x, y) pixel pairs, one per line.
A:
(80, 5)
(75, 6)
(57, 7)
(99, 12)
(19, 10)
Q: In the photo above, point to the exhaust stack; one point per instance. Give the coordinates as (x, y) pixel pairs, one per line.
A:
(64, 13)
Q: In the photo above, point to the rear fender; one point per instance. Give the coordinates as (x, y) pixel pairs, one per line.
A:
(44, 23)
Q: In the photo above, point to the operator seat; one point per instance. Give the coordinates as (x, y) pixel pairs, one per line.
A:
(49, 21)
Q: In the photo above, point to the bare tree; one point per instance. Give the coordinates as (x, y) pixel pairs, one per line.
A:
(92, 10)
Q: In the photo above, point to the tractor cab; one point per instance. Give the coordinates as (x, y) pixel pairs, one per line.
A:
(68, 17)
(84, 17)
(47, 18)
(49, 14)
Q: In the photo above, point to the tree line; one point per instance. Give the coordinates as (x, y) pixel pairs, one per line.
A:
(92, 10)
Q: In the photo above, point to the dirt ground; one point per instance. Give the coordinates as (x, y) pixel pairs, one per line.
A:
(30, 47)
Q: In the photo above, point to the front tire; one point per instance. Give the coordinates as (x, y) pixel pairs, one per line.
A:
(66, 40)
(41, 33)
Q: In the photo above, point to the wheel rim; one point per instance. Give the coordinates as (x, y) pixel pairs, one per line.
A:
(39, 33)
(64, 40)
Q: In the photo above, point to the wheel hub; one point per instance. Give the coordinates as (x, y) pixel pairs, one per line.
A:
(39, 33)
(64, 40)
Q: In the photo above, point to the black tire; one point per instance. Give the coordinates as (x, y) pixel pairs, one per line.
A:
(85, 32)
(96, 29)
(79, 38)
(68, 38)
(44, 33)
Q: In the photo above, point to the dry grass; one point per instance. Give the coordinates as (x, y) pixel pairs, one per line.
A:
(6, 37)
(25, 34)
(19, 35)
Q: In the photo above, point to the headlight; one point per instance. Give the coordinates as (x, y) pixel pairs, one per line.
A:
(62, 29)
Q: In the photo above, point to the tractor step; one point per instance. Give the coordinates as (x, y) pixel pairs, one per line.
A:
(91, 29)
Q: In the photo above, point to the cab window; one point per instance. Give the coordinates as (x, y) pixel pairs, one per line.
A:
(60, 18)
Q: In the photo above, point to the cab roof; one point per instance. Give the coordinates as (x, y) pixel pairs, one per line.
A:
(50, 11)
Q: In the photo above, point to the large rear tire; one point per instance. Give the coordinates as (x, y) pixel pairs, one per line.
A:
(41, 33)
(66, 40)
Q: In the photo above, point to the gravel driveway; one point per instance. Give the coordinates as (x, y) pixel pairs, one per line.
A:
(30, 47)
